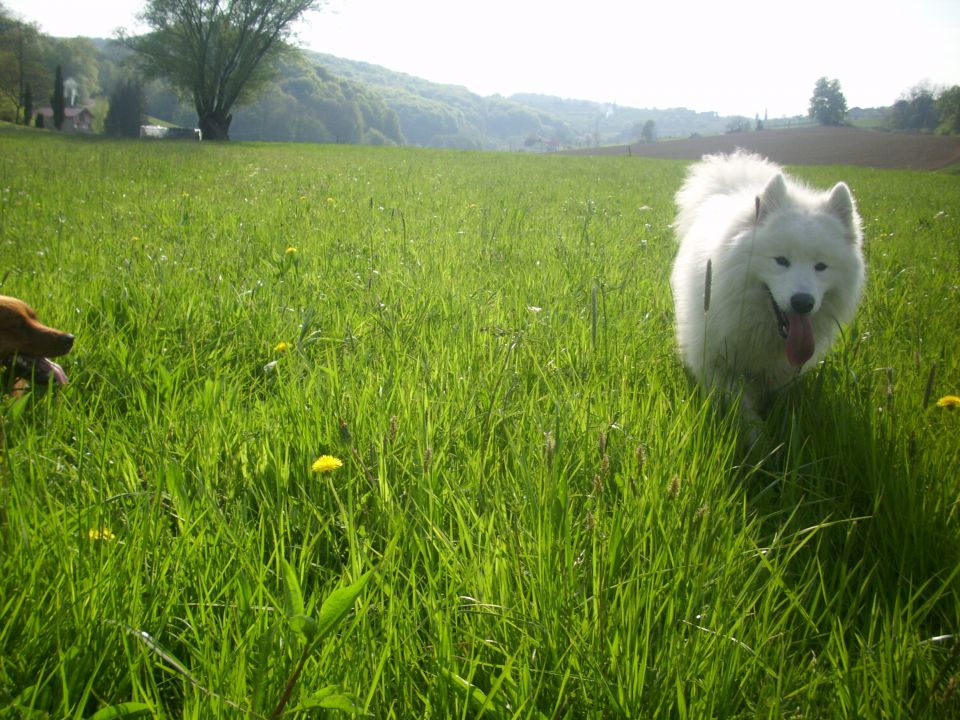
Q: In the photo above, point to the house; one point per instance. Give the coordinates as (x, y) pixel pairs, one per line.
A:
(75, 119)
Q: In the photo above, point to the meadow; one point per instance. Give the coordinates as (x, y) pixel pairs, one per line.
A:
(537, 515)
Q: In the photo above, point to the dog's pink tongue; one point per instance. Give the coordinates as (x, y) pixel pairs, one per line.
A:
(800, 343)
(58, 374)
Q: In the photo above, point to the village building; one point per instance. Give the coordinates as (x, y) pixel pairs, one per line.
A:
(75, 119)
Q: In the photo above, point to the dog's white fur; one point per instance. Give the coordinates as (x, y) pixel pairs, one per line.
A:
(763, 238)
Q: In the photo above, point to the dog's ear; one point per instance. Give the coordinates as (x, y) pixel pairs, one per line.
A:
(774, 195)
(840, 204)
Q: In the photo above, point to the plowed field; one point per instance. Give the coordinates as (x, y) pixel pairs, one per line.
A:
(812, 146)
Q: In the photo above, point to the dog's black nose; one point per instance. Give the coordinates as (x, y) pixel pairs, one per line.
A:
(802, 303)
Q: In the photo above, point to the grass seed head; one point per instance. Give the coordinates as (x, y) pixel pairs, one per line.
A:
(345, 433)
(673, 489)
(549, 447)
(591, 521)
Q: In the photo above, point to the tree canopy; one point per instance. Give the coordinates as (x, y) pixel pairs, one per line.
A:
(126, 110)
(21, 63)
(217, 53)
(949, 106)
(828, 106)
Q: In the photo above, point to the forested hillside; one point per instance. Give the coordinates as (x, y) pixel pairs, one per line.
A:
(450, 115)
(436, 115)
(306, 103)
(321, 98)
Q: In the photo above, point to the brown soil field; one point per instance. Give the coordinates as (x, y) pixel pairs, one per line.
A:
(810, 146)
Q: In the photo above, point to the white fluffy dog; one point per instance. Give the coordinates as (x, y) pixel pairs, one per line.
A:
(767, 272)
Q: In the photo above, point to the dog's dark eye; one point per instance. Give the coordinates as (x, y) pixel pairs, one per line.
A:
(782, 261)
(820, 267)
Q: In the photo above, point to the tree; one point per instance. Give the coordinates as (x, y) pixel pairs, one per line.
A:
(915, 110)
(219, 54)
(57, 103)
(949, 106)
(126, 110)
(27, 104)
(20, 63)
(828, 106)
(649, 132)
(738, 124)
(79, 59)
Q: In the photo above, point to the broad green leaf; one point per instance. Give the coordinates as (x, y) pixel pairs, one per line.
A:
(338, 604)
(340, 702)
(123, 710)
(331, 699)
(304, 625)
(292, 593)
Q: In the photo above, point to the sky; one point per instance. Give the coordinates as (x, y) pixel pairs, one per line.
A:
(743, 57)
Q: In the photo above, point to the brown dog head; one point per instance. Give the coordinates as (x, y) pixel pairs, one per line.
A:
(26, 344)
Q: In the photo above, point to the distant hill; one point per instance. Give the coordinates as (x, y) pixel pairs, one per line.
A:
(609, 122)
(437, 115)
(321, 98)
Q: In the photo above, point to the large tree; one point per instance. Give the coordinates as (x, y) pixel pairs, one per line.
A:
(125, 115)
(21, 63)
(218, 53)
(828, 106)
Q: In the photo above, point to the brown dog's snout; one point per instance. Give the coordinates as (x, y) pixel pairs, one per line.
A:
(65, 343)
(46, 342)
(22, 333)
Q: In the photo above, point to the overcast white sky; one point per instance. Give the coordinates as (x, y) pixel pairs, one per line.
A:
(742, 57)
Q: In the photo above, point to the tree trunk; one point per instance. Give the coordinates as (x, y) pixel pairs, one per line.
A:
(215, 126)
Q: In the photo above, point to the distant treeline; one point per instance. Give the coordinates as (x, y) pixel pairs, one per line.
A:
(320, 98)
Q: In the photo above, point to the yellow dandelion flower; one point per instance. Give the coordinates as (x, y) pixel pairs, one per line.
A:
(281, 347)
(103, 533)
(331, 201)
(326, 463)
(290, 251)
(949, 401)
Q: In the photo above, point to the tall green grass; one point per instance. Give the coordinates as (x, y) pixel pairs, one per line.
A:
(554, 523)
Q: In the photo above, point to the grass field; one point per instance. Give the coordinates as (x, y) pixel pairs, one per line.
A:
(536, 515)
